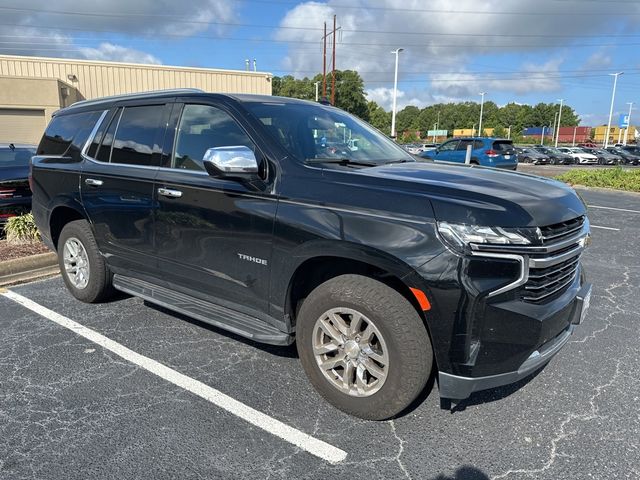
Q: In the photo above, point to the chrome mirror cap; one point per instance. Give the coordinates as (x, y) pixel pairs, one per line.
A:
(231, 160)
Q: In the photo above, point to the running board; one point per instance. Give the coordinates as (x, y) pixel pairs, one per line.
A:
(216, 315)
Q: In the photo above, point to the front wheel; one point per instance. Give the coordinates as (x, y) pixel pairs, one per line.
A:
(84, 270)
(363, 346)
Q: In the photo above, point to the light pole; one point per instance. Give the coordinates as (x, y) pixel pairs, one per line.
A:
(509, 133)
(317, 84)
(542, 136)
(626, 132)
(575, 130)
(395, 93)
(435, 127)
(613, 99)
(482, 94)
(553, 132)
(473, 130)
(559, 120)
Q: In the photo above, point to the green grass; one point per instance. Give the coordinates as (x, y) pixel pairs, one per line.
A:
(617, 178)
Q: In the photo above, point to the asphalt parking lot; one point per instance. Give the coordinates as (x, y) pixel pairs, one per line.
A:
(76, 404)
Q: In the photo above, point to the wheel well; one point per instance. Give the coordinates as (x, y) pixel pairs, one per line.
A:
(59, 218)
(318, 270)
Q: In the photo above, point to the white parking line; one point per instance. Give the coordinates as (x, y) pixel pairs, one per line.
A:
(613, 208)
(275, 427)
(605, 228)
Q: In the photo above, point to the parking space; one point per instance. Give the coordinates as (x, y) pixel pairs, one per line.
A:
(71, 408)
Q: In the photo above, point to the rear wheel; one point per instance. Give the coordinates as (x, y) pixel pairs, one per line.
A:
(363, 346)
(84, 270)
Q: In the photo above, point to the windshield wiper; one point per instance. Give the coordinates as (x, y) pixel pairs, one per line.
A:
(341, 161)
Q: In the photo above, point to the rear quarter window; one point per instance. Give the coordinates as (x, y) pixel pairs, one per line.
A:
(503, 146)
(67, 131)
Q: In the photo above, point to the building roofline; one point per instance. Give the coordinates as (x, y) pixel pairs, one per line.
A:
(127, 64)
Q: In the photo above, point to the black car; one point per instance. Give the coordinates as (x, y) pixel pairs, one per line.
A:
(532, 155)
(285, 221)
(556, 157)
(627, 156)
(15, 194)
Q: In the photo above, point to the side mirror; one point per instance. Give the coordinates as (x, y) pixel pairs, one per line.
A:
(236, 161)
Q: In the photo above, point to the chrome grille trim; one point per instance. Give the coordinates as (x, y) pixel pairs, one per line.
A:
(548, 294)
(535, 258)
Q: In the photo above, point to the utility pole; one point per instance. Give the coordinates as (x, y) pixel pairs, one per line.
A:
(482, 94)
(324, 62)
(613, 99)
(333, 70)
(626, 132)
(559, 120)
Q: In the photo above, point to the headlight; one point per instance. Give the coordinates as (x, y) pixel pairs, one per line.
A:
(459, 236)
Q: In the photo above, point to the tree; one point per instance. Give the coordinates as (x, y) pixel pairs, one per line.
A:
(379, 118)
(499, 132)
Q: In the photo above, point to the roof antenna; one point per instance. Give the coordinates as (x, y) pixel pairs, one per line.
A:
(255, 68)
(246, 64)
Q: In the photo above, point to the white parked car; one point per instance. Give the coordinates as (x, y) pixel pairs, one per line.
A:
(579, 155)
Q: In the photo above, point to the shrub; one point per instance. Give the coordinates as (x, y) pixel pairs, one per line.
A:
(22, 229)
(618, 178)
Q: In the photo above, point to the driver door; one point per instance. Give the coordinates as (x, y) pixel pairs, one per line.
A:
(213, 235)
(446, 152)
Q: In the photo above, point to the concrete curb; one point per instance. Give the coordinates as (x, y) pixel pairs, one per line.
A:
(30, 268)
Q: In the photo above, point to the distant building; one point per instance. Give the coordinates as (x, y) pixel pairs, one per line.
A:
(565, 135)
(616, 134)
(32, 88)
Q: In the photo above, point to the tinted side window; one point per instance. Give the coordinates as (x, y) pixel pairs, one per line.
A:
(104, 151)
(136, 141)
(449, 146)
(63, 129)
(202, 127)
(502, 146)
(463, 145)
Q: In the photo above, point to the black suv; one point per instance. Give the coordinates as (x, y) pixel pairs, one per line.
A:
(15, 195)
(283, 220)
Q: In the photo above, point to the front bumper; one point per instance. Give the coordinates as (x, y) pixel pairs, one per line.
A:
(459, 387)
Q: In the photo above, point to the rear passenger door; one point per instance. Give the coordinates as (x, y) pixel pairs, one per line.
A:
(116, 185)
(213, 234)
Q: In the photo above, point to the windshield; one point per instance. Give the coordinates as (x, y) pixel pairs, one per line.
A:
(18, 157)
(310, 131)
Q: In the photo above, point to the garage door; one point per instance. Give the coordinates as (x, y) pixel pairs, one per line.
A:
(21, 126)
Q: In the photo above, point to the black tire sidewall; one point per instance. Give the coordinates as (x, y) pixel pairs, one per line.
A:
(406, 338)
(99, 285)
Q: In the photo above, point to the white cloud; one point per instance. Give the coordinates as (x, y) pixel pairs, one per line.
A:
(597, 61)
(118, 53)
(384, 97)
(442, 54)
(139, 16)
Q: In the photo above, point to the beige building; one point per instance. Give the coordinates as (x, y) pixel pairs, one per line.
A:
(32, 88)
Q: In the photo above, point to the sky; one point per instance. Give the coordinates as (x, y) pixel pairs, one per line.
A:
(514, 50)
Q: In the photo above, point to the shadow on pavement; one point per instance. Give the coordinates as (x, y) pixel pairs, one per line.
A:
(465, 473)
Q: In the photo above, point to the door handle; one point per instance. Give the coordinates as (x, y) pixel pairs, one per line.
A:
(93, 182)
(167, 192)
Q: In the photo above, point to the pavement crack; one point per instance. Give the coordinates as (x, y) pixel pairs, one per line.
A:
(401, 443)
(561, 432)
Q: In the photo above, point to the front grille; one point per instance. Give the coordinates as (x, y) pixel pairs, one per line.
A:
(545, 283)
(558, 231)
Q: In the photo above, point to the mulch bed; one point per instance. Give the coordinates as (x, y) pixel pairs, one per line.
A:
(10, 251)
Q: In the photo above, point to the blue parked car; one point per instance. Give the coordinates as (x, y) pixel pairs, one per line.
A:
(487, 152)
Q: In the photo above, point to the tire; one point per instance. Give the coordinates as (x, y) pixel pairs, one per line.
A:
(404, 339)
(75, 236)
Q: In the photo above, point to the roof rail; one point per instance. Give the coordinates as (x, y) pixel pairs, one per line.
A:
(126, 96)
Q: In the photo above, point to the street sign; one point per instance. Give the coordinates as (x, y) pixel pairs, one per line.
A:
(437, 133)
(624, 121)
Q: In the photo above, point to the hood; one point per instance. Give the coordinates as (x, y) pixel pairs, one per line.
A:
(486, 196)
(14, 173)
